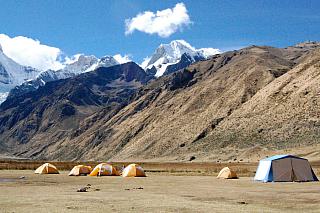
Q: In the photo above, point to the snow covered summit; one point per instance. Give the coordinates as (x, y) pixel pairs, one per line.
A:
(12, 74)
(170, 54)
(78, 65)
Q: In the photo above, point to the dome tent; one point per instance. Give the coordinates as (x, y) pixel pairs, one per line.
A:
(80, 170)
(104, 169)
(284, 168)
(47, 168)
(227, 173)
(133, 170)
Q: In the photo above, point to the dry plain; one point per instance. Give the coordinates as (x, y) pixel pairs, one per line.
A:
(161, 191)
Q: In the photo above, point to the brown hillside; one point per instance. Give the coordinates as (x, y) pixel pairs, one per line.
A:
(237, 106)
(196, 112)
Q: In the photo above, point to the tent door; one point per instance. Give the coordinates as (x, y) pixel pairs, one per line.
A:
(282, 170)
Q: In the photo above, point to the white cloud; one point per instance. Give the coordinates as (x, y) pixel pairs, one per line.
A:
(122, 59)
(30, 52)
(164, 22)
(72, 59)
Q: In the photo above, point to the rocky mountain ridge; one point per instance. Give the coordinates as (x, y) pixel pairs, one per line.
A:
(81, 65)
(174, 56)
(236, 105)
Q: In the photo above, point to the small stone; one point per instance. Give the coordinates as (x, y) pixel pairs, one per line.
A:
(192, 158)
(242, 202)
(83, 189)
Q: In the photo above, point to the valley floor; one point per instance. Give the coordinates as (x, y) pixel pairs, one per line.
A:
(159, 192)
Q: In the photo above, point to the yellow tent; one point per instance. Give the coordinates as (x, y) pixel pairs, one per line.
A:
(227, 173)
(104, 169)
(47, 168)
(80, 170)
(133, 170)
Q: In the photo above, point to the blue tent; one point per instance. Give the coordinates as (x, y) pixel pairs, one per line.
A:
(284, 168)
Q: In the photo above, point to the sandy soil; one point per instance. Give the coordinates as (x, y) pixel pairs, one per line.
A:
(159, 192)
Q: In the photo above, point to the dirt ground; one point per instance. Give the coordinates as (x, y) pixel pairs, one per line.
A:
(159, 192)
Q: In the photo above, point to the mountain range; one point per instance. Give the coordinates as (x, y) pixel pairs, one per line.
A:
(233, 106)
(170, 57)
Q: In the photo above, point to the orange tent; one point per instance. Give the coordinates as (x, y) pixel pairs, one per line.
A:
(47, 168)
(133, 170)
(80, 170)
(104, 169)
(227, 173)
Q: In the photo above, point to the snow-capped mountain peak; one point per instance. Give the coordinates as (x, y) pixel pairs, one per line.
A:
(76, 65)
(167, 58)
(170, 54)
(80, 65)
(12, 74)
(105, 61)
(108, 60)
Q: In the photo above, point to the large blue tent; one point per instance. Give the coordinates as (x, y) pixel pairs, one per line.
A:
(284, 168)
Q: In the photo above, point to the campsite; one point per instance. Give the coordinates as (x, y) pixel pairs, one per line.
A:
(171, 187)
(159, 106)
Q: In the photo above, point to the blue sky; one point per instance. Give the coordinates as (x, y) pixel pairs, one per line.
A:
(98, 27)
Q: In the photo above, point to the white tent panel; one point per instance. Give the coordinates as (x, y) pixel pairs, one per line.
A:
(263, 171)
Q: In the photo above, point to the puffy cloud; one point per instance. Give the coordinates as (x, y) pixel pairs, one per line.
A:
(72, 59)
(30, 52)
(122, 59)
(164, 22)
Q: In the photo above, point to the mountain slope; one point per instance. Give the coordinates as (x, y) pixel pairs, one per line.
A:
(176, 110)
(283, 113)
(33, 120)
(236, 105)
